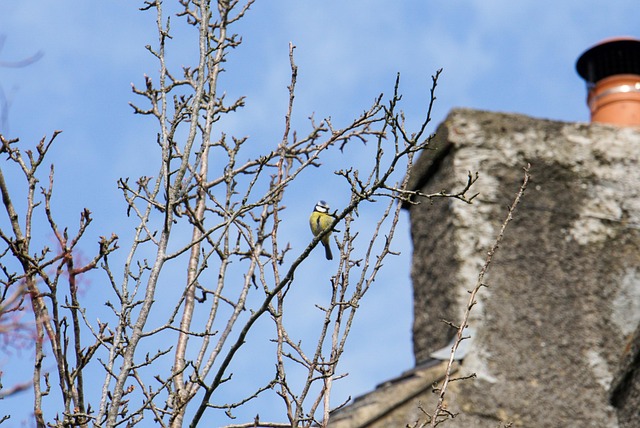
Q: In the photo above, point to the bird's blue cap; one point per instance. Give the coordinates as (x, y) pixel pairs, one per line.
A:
(322, 206)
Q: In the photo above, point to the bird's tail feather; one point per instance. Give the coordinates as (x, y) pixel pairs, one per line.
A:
(327, 251)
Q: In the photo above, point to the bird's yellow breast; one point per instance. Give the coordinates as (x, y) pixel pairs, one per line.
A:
(319, 222)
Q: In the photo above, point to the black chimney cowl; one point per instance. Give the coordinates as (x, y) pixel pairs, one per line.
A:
(608, 58)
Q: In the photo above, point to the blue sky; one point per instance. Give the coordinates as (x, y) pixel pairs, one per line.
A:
(500, 55)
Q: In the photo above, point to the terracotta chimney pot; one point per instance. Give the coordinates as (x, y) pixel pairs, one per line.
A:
(611, 70)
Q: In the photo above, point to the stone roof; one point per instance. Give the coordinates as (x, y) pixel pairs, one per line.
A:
(392, 402)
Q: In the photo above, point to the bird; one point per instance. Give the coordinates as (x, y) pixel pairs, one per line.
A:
(319, 221)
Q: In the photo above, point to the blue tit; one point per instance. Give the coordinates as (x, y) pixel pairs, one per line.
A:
(319, 221)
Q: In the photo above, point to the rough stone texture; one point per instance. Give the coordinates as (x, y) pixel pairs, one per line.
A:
(436, 244)
(625, 389)
(564, 288)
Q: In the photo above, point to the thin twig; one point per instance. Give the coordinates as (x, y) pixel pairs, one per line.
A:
(472, 298)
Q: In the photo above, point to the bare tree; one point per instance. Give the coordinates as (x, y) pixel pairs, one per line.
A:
(214, 214)
(46, 275)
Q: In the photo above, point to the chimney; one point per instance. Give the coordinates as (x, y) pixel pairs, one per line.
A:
(611, 70)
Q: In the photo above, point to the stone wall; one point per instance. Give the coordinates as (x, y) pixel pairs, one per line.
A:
(564, 288)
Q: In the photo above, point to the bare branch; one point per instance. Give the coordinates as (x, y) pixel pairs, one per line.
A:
(472, 298)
